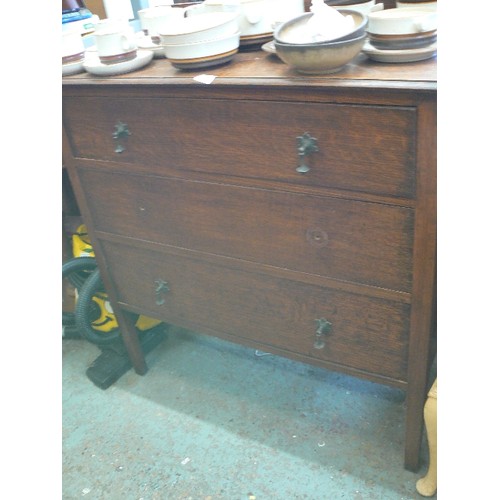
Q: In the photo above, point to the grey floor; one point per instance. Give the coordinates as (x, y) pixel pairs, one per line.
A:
(215, 421)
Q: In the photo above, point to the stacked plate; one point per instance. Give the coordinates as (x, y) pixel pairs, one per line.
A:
(201, 41)
(427, 4)
(401, 35)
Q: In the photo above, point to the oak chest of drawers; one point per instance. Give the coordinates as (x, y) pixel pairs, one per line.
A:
(292, 214)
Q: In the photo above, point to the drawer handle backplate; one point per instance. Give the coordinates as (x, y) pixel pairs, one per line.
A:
(306, 144)
(161, 288)
(323, 327)
(121, 132)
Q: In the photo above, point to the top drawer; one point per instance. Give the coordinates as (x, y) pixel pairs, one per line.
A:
(361, 148)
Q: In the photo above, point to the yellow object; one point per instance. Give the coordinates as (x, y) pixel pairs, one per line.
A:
(106, 320)
(427, 485)
(145, 323)
(81, 243)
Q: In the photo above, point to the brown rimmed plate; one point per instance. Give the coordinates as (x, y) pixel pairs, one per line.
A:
(399, 56)
(203, 62)
(401, 42)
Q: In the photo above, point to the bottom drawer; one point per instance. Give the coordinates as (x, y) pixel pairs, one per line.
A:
(366, 333)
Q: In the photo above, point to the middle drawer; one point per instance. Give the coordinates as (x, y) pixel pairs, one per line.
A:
(356, 241)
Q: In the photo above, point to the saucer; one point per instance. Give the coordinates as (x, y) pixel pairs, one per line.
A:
(93, 65)
(400, 56)
(269, 47)
(146, 43)
(73, 68)
(254, 42)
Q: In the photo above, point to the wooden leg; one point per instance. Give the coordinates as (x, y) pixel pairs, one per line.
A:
(415, 402)
(427, 485)
(131, 341)
(413, 439)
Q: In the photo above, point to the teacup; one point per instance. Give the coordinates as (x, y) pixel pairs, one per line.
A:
(115, 41)
(73, 48)
(155, 20)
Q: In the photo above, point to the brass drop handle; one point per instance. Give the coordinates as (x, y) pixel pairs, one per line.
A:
(306, 144)
(161, 288)
(121, 132)
(323, 327)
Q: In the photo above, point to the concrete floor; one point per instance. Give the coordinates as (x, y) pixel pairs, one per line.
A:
(215, 421)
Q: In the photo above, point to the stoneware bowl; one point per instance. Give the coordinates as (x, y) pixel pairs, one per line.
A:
(401, 21)
(199, 28)
(295, 30)
(320, 58)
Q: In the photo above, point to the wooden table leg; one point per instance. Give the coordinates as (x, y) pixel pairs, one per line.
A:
(131, 340)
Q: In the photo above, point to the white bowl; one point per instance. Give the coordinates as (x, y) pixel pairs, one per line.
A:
(297, 30)
(402, 21)
(255, 17)
(200, 27)
(202, 49)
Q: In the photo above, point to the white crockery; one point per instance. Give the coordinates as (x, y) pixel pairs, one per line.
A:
(110, 25)
(298, 30)
(255, 17)
(145, 42)
(154, 20)
(202, 49)
(73, 68)
(201, 27)
(401, 21)
(114, 38)
(364, 7)
(400, 56)
(94, 66)
(320, 58)
(420, 5)
(72, 45)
